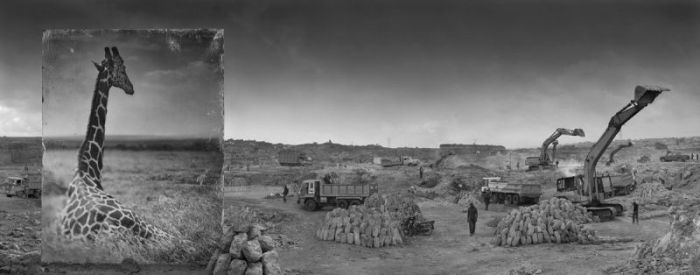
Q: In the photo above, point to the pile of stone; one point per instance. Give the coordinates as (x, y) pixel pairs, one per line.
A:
(245, 250)
(400, 206)
(464, 198)
(361, 225)
(550, 221)
(677, 252)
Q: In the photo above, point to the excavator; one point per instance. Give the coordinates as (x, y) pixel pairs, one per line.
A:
(611, 160)
(589, 187)
(544, 161)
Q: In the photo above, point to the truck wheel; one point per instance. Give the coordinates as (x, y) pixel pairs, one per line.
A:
(516, 199)
(355, 202)
(310, 205)
(343, 204)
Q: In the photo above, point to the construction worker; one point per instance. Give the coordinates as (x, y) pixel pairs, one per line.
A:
(284, 193)
(517, 166)
(472, 215)
(421, 172)
(635, 212)
(487, 197)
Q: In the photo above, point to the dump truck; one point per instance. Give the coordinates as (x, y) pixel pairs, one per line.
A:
(293, 158)
(22, 187)
(317, 193)
(403, 160)
(510, 192)
(671, 157)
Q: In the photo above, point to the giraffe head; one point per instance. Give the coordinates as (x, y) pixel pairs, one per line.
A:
(113, 70)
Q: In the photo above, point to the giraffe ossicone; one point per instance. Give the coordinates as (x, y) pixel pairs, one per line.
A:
(90, 211)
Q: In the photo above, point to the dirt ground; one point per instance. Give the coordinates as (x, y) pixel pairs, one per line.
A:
(449, 250)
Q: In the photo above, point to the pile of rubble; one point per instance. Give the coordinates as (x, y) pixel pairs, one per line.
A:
(245, 250)
(677, 252)
(464, 198)
(361, 225)
(550, 221)
(651, 192)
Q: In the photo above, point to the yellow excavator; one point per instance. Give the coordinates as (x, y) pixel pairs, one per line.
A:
(544, 161)
(611, 160)
(589, 188)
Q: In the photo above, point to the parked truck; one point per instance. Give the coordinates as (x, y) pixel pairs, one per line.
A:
(316, 193)
(22, 187)
(403, 160)
(671, 157)
(510, 192)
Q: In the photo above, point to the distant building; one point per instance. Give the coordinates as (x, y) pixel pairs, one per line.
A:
(471, 149)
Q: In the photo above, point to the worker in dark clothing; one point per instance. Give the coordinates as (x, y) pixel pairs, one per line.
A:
(487, 198)
(635, 212)
(421, 172)
(285, 193)
(472, 215)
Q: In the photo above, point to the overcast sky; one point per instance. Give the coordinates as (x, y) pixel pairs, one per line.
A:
(419, 73)
(176, 76)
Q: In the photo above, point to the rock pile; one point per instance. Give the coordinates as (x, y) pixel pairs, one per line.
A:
(550, 221)
(245, 250)
(465, 198)
(650, 191)
(674, 253)
(361, 225)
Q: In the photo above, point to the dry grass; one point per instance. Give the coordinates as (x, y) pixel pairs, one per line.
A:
(191, 212)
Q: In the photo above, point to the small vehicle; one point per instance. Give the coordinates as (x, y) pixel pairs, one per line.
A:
(21, 187)
(674, 157)
(411, 228)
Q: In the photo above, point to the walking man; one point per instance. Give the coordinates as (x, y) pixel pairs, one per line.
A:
(421, 172)
(284, 193)
(472, 214)
(635, 212)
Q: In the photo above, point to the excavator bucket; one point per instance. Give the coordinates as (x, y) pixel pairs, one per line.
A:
(644, 95)
(579, 132)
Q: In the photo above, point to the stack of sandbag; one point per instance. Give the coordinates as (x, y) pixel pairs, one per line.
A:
(245, 250)
(550, 221)
(361, 225)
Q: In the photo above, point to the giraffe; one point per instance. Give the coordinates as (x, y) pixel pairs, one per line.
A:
(91, 211)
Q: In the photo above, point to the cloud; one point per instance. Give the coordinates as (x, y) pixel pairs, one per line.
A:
(15, 122)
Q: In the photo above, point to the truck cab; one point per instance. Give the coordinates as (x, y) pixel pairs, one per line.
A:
(14, 186)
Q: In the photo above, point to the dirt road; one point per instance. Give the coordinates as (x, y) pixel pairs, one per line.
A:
(449, 250)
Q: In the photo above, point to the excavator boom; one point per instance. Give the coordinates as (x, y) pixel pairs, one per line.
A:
(619, 147)
(643, 96)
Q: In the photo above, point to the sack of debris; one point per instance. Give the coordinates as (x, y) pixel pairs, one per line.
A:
(245, 250)
(550, 221)
(361, 225)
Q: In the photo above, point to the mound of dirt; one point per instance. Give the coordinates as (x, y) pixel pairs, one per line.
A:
(677, 252)
(361, 225)
(550, 221)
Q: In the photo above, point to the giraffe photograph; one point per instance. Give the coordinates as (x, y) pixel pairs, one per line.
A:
(143, 184)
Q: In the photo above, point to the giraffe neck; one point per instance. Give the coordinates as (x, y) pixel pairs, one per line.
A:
(90, 154)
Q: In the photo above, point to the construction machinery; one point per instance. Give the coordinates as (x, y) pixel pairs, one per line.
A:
(590, 188)
(544, 161)
(671, 157)
(611, 160)
(317, 193)
(22, 187)
(511, 193)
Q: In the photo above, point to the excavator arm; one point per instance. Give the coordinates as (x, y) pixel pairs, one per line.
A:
(612, 154)
(643, 96)
(553, 138)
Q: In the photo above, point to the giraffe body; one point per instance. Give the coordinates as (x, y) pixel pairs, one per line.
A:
(90, 211)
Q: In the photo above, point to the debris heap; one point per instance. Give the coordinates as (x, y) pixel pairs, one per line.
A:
(677, 252)
(245, 250)
(361, 225)
(550, 221)
(652, 192)
(464, 198)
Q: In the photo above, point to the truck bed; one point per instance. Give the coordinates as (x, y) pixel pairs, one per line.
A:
(345, 190)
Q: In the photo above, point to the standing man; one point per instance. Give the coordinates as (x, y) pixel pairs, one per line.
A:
(635, 212)
(487, 198)
(517, 166)
(421, 172)
(284, 193)
(472, 214)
